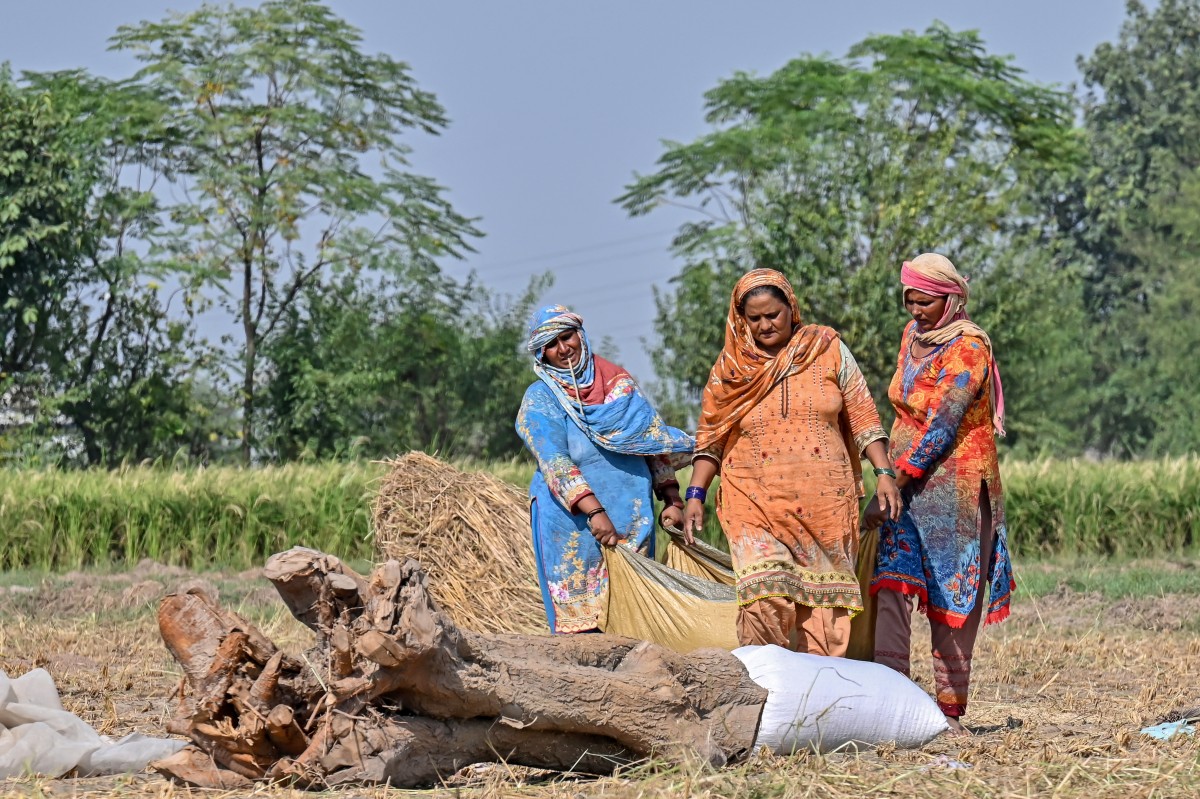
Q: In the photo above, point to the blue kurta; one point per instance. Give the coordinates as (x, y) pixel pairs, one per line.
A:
(570, 564)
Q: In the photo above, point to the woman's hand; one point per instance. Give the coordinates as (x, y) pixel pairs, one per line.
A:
(693, 520)
(886, 505)
(887, 492)
(672, 516)
(672, 512)
(873, 515)
(603, 530)
(887, 502)
(704, 469)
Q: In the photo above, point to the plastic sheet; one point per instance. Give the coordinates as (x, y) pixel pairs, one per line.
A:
(1170, 729)
(688, 601)
(37, 736)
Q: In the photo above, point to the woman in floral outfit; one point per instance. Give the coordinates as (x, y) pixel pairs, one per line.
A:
(950, 541)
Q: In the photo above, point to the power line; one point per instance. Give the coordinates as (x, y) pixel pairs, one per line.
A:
(558, 268)
(586, 300)
(594, 301)
(606, 294)
(575, 251)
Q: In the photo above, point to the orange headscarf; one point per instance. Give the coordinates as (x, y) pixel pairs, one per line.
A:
(744, 374)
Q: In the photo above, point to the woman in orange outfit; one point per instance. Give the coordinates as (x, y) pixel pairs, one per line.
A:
(785, 415)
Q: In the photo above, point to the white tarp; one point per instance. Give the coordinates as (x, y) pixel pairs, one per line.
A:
(825, 704)
(37, 736)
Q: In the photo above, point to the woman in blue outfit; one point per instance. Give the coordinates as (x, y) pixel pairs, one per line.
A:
(601, 451)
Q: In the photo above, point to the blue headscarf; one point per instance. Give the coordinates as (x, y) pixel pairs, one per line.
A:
(627, 424)
(545, 327)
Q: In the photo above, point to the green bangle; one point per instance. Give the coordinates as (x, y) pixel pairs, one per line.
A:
(879, 472)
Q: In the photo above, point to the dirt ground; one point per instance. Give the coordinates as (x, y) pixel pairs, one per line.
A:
(1059, 695)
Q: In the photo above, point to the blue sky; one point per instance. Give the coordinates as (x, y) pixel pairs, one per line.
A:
(555, 105)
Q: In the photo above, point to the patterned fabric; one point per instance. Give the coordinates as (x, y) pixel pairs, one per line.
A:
(788, 501)
(951, 647)
(744, 374)
(601, 398)
(814, 631)
(546, 325)
(591, 431)
(943, 439)
(571, 466)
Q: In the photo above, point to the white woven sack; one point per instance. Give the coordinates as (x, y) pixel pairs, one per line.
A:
(825, 704)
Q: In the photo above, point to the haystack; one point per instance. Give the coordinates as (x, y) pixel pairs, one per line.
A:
(470, 531)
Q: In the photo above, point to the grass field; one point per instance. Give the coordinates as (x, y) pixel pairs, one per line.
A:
(1098, 646)
(232, 517)
(1060, 691)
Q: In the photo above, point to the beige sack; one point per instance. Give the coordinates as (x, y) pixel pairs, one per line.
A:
(682, 609)
(689, 603)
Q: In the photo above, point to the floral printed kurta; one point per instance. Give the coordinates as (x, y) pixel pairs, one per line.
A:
(570, 564)
(943, 438)
(788, 500)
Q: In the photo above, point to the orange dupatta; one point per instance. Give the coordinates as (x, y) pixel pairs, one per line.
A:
(743, 374)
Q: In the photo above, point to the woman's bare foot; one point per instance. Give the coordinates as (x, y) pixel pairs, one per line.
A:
(957, 730)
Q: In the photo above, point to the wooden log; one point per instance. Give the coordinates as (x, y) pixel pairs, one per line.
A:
(394, 692)
(285, 733)
(193, 626)
(409, 752)
(190, 766)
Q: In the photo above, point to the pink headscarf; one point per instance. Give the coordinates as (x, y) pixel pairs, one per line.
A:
(935, 275)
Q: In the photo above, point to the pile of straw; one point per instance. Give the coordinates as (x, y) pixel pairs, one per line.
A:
(471, 533)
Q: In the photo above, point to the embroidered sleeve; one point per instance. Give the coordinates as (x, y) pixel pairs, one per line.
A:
(963, 367)
(714, 452)
(662, 474)
(542, 425)
(860, 407)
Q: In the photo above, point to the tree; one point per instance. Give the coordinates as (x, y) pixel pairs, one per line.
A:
(285, 147)
(493, 370)
(415, 361)
(1165, 382)
(43, 192)
(46, 178)
(835, 170)
(90, 360)
(1142, 118)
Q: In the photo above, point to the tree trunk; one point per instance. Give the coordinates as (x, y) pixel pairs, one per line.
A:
(394, 692)
(250, 328)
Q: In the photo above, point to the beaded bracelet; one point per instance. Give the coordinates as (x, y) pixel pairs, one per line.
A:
(595, 512)
(882, 470)
(696, 492)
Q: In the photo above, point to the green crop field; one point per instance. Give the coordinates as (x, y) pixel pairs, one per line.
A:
(229, 517)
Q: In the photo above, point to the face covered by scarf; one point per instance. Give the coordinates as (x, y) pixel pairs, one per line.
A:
(935, 275)
(600, 397)
(744, 374)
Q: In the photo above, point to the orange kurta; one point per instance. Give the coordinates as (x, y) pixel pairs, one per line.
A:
(788, 499)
